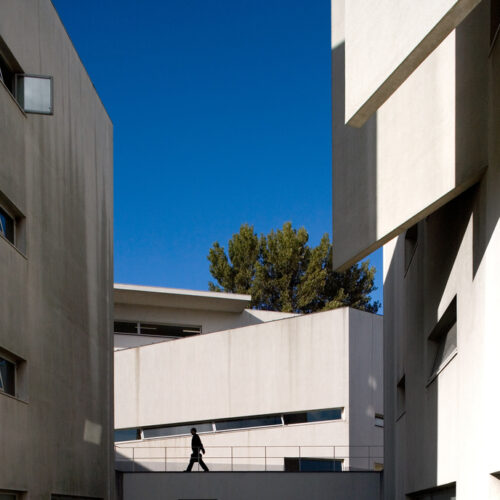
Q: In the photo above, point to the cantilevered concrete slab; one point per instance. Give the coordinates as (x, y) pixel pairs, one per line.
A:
(386, 41)
(180, 298)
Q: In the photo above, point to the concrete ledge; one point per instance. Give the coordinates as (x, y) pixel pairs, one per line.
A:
(251, 485)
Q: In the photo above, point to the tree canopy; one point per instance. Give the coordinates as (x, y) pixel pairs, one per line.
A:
(283, 273)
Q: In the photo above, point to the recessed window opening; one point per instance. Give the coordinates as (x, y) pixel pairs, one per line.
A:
(401, 396)
(9, 495)
(252, 422)
(312, 416)
(305, 464)
(411, 242)
(127, 435)
(7, 225)
(7, 377)
(494, 20)
(34, 93)
(379, 420)
(153, 329)
(443, 340)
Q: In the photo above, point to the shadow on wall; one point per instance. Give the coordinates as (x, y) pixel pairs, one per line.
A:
(354, 174)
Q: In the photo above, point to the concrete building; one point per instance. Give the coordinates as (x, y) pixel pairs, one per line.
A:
(416, 167)
(56, 264)
(283, 393)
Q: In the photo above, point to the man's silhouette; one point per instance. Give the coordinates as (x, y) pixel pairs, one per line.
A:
(197, 447)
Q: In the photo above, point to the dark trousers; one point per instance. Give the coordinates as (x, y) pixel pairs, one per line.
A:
(196, 458)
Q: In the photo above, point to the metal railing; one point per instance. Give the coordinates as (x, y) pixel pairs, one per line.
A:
(251, 458)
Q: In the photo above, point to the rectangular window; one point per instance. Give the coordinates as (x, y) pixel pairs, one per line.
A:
(155, 329)
(4, 495)
(7, 376)
(379, 420)
(411, 241)
(442, 345)
(243, 423)
(293, 464)
(312, 416)
(401, 396)
(34, 93)
(127, 435)
(7, 225)
(176, 430)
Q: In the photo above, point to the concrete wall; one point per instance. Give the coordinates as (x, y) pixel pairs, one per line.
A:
(249, 486)
(324, 360)
(414, 161)
(209, 320)
(268, 368)
(422, 147)
(376, 66)
(56, 307)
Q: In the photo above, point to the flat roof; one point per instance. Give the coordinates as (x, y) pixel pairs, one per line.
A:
(180, 298)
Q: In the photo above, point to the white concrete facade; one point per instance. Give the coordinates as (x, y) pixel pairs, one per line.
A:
(328, 360)
(426, 159)
(56, 267)
(210, 311)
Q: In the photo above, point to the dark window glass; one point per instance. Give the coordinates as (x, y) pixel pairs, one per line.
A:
(127, 435)
(176, 430)
(494, 19)
(313, 416)
(169, 330)
(7, 376)
(125, 327)
(7, 224)
(411, 240)
(242, 423)
(293, 464)
(6, 74)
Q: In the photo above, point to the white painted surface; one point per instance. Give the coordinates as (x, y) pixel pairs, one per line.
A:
(376, 65)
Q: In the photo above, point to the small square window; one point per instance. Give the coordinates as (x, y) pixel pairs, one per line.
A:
(34, 93)
(379, 420)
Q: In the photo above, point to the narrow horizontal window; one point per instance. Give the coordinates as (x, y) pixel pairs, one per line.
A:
(125, 327)
(176, 430)
(295, 464)
(313, 416)
(5, 495)
(243, 423)
(34, 93)
(169, 330)
(127, 435)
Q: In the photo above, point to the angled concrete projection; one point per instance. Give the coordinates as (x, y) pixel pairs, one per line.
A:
(376, 64)
(424, 146)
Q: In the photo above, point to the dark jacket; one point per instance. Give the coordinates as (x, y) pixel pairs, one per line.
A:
(196, 445)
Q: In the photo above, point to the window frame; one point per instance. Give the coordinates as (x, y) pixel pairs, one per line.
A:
(10, 214)
(18, 76)
(139, 331)
(12, 361)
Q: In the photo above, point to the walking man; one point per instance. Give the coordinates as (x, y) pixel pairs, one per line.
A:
(197, 447)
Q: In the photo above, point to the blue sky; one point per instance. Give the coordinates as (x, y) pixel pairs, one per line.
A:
(221, 113)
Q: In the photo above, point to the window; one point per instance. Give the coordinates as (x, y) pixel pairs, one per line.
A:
(4, 495)
(494, 20)
(379, 420)
(293, 464)
(153, 329)
(12, 224)
(443, 340)
(411, 240)
(176, 430)
(7, 225)
(7, 377)
(34, 93)
(401, 396)
(127, 435)
(243, 423)
(312, 416)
